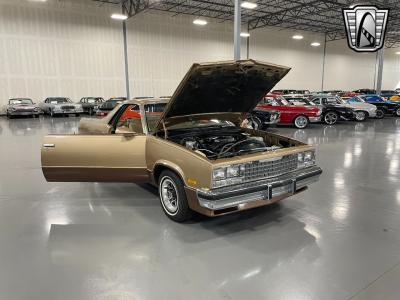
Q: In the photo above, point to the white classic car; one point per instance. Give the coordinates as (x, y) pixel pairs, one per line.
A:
(60, 106)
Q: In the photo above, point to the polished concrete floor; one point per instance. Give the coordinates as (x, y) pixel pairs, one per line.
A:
(338, 240)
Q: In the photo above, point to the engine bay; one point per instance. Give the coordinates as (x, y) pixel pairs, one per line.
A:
(221, 143)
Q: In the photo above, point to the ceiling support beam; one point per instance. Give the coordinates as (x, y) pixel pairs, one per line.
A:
(236, 30)
(380, 72)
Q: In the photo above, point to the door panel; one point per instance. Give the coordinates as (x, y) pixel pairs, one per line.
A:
(112, 158)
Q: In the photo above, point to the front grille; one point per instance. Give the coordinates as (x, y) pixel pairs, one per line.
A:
(24, 110)
(67, 107)
(264, 169)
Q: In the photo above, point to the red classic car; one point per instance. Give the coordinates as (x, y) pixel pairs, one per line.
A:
(348, 94)
(299, 116)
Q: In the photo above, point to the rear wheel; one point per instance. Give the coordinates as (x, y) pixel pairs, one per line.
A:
(380, 114)
(397, 112)
(173, 197)
(331, 118)
(360, 116)
(301, 122)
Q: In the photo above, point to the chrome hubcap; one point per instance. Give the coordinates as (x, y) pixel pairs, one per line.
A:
(330, 118)
(398, 112)
(360, 115)
(301, 122)
(169, 195)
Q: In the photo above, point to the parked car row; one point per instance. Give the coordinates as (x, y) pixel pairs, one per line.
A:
(54, 106)
(300, 110)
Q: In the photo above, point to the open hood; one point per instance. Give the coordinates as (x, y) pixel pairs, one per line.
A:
(222, 87)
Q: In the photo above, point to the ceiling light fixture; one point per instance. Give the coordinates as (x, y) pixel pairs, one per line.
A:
(119, 17)
(297, 37)
(315, 44)
(248, 5)
(244, 34)
(200, 22)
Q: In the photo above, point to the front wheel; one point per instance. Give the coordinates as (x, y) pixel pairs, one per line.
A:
(301, 122)
(173, 197)
(397, 112)
(360, 116)
(380, 114)
(331, 118)
(254, 123)
(51, 113)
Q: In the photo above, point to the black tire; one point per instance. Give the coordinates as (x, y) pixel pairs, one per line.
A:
(254, 123)
(380, 114)
(179, 212)
(90, 111)
(77, 115)
(397, 112)
(301, 122)
(331, 118)
(9, 116)
(51, 113)
(360, 116)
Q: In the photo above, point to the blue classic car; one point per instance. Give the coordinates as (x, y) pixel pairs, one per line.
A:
(383, 106)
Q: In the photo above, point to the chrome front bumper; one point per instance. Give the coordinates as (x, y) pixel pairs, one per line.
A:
(67, 111)
(265, 189)
(23, 113)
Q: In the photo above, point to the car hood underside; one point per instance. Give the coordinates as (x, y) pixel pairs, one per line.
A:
(223, 87)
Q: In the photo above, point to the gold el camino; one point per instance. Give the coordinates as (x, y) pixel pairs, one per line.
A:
(195, 151)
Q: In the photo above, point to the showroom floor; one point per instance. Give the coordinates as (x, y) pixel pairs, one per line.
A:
(338, 240)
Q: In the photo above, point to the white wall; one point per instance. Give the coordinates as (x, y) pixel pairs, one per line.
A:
(162, 48)
(59, 49)
(277, 46)
(391, 69)
(346, 69)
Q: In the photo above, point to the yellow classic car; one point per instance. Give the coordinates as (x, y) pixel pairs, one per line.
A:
(395, 98)
(195, 151)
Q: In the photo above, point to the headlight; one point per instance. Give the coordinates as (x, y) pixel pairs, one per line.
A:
(305, 159)
(219, 173)
(36, 109)
(228, 175)
(57, 108)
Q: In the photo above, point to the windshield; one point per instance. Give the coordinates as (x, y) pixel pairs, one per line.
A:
(277, 101)
(357, 99)
(94, 100)
(299, 101)
(153, 114)
(20, 101)
(58, 100)
(333, 101)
